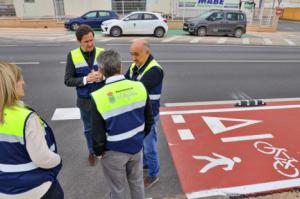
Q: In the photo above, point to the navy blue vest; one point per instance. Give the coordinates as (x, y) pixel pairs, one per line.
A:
(82, 69)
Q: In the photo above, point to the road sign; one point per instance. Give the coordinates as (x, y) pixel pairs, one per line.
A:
(225, 150)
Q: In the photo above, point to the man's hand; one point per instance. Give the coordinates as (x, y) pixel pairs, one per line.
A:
(98, 75)
(90, 78)
(94, 76)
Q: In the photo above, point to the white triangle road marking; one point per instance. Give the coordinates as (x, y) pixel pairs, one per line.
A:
(216, 126)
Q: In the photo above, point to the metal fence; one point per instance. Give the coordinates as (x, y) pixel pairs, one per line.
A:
(7, 9)
(124, 7)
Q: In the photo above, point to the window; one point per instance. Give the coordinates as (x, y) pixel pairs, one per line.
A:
(232, 16)
(134, 17)
(28, 1)
(91, 15)
(103, 14)
(217, 16)
(149, 17)
(241, 17)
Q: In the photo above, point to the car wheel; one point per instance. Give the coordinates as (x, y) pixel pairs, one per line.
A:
(115, 32)
(201, 31)
(74, 26)
(159, 32)
(238, 33)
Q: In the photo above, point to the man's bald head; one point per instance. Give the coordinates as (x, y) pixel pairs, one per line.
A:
(140, 51)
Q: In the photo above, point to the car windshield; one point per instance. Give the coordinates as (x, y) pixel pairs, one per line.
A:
(204, 15)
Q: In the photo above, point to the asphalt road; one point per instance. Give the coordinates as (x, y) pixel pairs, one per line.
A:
(192, 73)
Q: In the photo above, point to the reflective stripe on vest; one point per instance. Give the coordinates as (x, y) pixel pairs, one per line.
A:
(11, 139)
(13, 168)
(119, 98)
(78, 58)
(153, 63)
(150, 65)
(154, 97)
(126, 135)
(123, 109)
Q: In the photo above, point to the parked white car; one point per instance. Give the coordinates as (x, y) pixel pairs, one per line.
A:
(141, 23)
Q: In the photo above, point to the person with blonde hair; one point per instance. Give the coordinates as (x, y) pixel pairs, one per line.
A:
(29, 163)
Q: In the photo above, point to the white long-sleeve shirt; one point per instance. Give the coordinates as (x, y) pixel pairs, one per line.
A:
(40, 155)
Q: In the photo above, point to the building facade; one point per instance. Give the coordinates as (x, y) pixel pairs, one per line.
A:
(170, 8)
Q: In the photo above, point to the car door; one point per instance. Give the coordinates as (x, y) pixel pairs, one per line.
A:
(91, 19)
(147, 24)
(130, 23)
(232, 20)
(103, 16)
(215, 23)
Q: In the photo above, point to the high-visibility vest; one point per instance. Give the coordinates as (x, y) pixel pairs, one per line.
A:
(82, 69)
(18, 173)
(122, 106)
(154, 93)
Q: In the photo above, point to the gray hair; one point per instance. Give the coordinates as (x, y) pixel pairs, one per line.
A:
(110, 62)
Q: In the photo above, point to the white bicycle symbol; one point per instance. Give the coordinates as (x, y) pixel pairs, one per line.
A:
(283, 162)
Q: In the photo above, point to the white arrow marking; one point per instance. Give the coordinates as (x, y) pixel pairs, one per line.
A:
(216, 126)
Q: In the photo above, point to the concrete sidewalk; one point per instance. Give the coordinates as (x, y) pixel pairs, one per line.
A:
(60, 35)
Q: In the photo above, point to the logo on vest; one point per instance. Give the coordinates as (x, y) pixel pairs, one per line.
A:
(111, 97)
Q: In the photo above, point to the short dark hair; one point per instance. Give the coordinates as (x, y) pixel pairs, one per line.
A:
(83, 30)
(110, 62)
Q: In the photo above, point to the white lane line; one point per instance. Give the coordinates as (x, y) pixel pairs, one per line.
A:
(224, 110)
(178, 119)
(268, 41)
(105, 39)
(246, 41)
(196, 40)
(291, 43)
(170, 39)
(245, 138)
(247, 189)
(66, 114)
(222, 40)
(8, 45)
(47, 45)
(227, 102)
(26, 63)
(185, 134)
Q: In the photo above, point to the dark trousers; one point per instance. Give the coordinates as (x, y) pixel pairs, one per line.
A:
(54, 192)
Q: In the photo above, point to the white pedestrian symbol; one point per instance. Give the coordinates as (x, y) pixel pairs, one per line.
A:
(220, 160)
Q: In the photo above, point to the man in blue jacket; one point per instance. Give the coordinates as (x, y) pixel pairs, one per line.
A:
(148, 71)
(82, 72)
